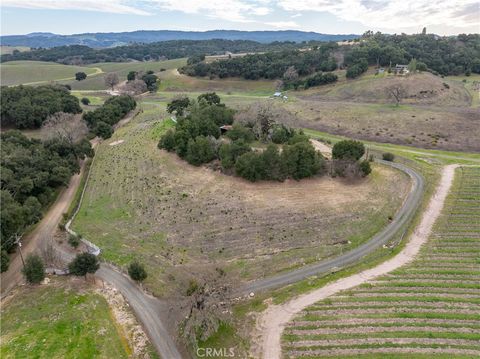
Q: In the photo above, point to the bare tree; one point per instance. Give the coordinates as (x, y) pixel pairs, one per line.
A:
(396, 92)
(64, 126)
(206, 306)
(136, 87)
(261, 117)
(290, 75)
(111, 79)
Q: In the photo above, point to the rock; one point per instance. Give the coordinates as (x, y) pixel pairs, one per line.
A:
(251, 295)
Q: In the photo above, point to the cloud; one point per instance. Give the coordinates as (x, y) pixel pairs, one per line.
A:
(110, 6)
(393, 14)
(283, 24)
(230, 10)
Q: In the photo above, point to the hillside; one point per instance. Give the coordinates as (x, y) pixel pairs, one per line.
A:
(420, 88)
(111, 39)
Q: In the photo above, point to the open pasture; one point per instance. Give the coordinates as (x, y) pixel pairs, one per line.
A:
(122, 69)
(39, 72)
(144, 203)
(429, 307)
(62, 319)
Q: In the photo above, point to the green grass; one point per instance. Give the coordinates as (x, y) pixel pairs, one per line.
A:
(59, 321)
(38, 72)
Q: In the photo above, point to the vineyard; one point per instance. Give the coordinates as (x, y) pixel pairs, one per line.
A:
(429, 308)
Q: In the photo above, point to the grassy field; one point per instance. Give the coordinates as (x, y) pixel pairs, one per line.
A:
(122, 69)
(4, 49)
(142, 202)
(430, 307)
(360, 109)
(38, 72)
(62, 319)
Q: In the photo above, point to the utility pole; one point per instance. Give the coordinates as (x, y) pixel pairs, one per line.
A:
(17, 241)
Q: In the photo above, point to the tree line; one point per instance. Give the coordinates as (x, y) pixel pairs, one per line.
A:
(27, 107)
(80, 54)
(32, 171)
(449, 55)
(101, 120)
(270, 65)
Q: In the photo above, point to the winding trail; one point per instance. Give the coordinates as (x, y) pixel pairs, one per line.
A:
(272, 323)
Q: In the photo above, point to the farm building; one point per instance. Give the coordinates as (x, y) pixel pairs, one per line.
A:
(225, 128)
(401, 69)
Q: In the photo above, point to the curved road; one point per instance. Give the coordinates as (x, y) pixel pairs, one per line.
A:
(401, 218)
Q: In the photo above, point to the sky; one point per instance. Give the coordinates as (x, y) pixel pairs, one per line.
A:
(443, 17)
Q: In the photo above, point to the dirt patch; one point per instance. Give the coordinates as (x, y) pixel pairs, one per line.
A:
(114, 143)
(134, 333)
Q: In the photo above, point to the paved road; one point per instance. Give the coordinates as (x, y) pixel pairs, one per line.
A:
(401, 218)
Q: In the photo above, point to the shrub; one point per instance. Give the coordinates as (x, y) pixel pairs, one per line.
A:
(199, 151)
(137, 272)
(365, 168)
(281, 134)
(229, 152)
(85, 101)
(79, 76)
(348, 150)
(240, 132)
(73, 240)
(250, 166)
(34, 270)
(167, 141)
(301, 160)
(387, 156)
(84, 263)
(103, 130)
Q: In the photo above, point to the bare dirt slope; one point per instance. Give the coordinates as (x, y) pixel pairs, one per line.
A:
(271, 324)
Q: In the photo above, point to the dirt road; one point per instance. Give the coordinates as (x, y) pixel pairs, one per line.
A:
(272, 323)
(401, 218)
(43, 231)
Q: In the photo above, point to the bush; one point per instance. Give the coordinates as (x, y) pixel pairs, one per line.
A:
(365, 168)
(301, 160)
(84, 263)
(73, 240)
(229, 152)
(79, 76)
(103, 130)
(250, 166)
(387, 156)
(137, 272)
(357, 69)
(34, 270)
(240, 132)
(199, 150)
(282, 134)
(348, 150)
(167, 141)
(85, 101)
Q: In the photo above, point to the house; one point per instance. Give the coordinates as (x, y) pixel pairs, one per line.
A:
(380, 70)
(401, 69)
(277, 94)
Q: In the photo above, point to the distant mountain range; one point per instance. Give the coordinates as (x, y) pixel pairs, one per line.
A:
(112, 39)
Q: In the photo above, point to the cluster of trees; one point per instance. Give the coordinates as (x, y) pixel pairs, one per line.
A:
(196, 138)
(197, 128)
(80, 54)
(452, 55)
(139, 81)
(32, 171)
(346, 156)
(270, 65)
(28, 107)
(79, 76)
(292, 80)
(101, 120)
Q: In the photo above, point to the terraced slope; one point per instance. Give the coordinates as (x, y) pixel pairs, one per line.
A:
(429, 308)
